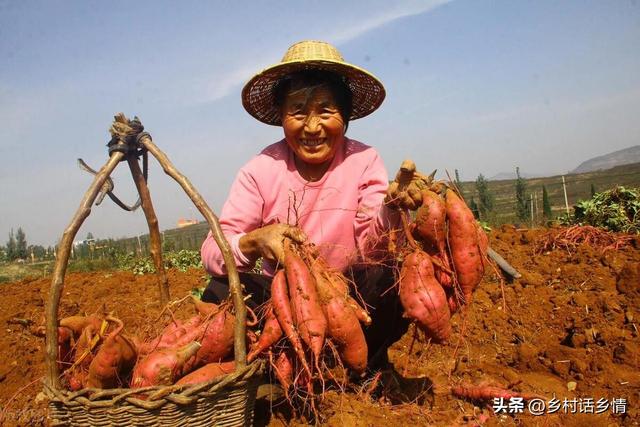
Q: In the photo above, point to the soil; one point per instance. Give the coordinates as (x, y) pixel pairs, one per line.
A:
(566, 329)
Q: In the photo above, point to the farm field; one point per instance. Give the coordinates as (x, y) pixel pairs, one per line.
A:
(571, 320)
(578, 188)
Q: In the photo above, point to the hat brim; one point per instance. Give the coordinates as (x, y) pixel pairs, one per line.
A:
(258, 94)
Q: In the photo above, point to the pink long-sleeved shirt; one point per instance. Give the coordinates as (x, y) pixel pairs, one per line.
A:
(343, 213)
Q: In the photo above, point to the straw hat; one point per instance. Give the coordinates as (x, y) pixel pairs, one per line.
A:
(257, 95)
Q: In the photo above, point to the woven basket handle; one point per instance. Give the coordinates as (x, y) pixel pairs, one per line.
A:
(64, 251)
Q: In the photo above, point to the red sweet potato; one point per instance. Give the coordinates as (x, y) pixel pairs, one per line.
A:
(341, 284)
(343, 326)
(282, 309)
(422, 297)
(113, 361)
(204, 308)
(464, 244)
(77, 374)
(283, 369)
(430, 228)
(172, 336)
(78, 323)
(271, 333)
(430, 222)
(361, 313)
(207, 372)
(162, 367)
(216, 340)
(65, 350)
(305, 304)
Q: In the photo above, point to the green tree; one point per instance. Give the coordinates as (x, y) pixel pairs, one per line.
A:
(37, 250)
(485, 198)
(593, 190)
(21, 244)
(522, 207)
(11, 247)
(546, 205)
(474, 208)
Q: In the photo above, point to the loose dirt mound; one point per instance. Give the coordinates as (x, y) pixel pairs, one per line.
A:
(571, 318)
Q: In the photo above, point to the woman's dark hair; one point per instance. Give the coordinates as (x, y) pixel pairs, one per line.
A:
(311, 79)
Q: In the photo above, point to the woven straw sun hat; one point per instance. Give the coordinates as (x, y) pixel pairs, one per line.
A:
(258, 94)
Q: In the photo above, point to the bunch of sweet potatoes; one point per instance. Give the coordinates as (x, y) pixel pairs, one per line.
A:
(443, 260)
(95, 353)
(310, 319)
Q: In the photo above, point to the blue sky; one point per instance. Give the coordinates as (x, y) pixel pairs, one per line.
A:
(478, 86)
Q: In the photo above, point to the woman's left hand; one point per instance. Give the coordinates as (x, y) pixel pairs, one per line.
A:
(405, 192)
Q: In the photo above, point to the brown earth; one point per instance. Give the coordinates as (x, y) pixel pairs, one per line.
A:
(571, 318)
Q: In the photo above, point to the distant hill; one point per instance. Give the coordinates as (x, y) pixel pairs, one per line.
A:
(608, 161)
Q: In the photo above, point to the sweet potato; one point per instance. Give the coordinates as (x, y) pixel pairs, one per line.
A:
(361, 313)
(343, 326)
(422, 297)
(78, 323)
(340, 283)
(430, 229)
(271, 333)
(113, 361)
(283, 369)
(204, 308)
(464, 244)
(489, 392)
(216, 340)
(77, 374)
(282, 309)
(308, 316)
(65, 351)
(172, 336)
(207, 372)
(162, 367)
(430, 222)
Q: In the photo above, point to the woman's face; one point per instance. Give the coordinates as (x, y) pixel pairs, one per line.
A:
(313, 126)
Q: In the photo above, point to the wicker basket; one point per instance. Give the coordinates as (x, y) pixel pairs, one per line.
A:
(225, 401)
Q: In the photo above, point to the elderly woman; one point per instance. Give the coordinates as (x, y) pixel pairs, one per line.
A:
(315, 184)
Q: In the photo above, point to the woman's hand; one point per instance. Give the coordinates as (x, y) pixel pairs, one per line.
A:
(268, 241)
(405, 192)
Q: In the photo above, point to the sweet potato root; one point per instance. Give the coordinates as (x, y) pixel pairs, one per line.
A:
(65, 350)
(162, 367)
(207, 373)
(173, 335)
(343, 326)
(465, 244)
(113, 361)
(77, 373)
(283, 369)
(282, 310)
(271, 334)
(430, 222)
(216, 339)
(78, 323)
(488, 392)
(305, 304)
(422, 297)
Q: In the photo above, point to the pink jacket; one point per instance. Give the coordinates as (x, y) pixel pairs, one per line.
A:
(343, 213)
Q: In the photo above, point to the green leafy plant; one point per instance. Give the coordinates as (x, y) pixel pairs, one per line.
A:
(616, 210)
(181, 260)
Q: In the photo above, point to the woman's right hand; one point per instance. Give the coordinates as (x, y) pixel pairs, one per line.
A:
(268, 241)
